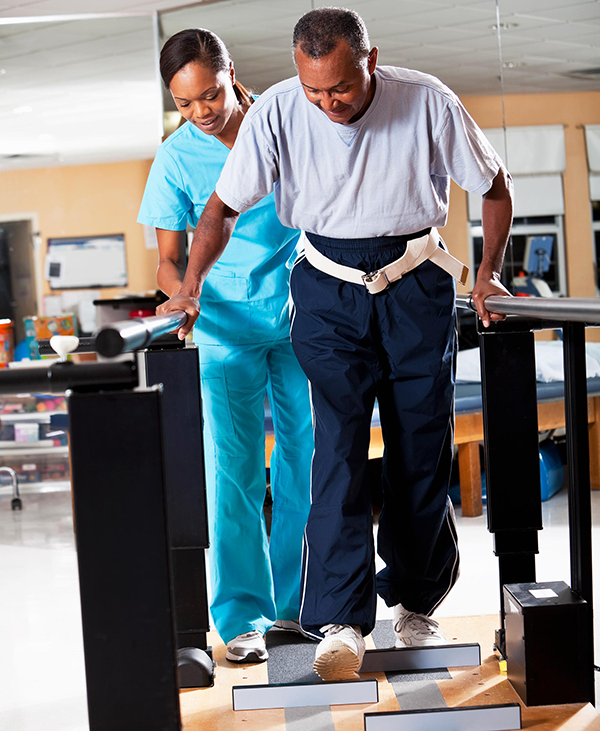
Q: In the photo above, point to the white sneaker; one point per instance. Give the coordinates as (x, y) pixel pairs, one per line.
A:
(416, 630)
(340, 653)
(292, 625)
(248, 647)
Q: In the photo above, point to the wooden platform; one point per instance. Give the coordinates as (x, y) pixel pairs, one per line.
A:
(210, 709)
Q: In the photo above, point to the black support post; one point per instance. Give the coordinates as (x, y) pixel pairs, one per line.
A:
(510, 426)
(178, 370)
(578, 469)
(118, 482)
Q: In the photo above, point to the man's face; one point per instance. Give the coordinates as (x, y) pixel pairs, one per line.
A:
(334, 83)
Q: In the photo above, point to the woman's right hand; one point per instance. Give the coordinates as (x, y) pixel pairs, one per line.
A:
(185, 303)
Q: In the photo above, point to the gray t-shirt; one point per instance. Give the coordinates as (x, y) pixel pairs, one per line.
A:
(386, 174)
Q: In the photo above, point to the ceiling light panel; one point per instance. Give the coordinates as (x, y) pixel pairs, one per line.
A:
(95, 95)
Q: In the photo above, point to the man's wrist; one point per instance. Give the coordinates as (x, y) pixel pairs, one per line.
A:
(488, 272)
(190, 289)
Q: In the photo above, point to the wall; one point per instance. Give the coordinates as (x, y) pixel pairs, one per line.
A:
(573, 111)
(84, 200)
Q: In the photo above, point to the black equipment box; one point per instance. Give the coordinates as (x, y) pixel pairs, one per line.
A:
(546, 643)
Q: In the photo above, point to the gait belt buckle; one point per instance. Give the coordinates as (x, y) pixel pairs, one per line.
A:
(376, 281)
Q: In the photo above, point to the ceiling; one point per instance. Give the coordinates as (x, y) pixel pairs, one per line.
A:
(78, 92)
(544, 41)
(83, 87)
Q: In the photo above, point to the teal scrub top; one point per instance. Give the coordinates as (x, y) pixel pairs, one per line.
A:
(245, 296)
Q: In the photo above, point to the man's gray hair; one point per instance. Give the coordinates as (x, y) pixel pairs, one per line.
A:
(319, 31)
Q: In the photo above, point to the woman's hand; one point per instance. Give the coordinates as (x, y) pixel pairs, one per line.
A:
(185, 303)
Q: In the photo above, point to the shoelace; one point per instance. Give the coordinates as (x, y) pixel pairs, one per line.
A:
(332, 629)
(250, 635)
(419, 624)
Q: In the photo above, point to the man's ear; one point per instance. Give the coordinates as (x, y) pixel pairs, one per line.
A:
(372, 59)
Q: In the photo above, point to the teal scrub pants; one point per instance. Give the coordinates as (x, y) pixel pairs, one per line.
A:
(255, 581)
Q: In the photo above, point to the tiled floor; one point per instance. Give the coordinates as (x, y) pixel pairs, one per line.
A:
(42, 684)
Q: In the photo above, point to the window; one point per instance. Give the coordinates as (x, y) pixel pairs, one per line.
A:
(522, 231)
(536, 159)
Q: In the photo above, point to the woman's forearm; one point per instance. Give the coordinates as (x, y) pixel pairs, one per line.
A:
(169, 276)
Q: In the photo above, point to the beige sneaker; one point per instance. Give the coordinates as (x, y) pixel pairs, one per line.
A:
(248, 647)
(340, 653)
(416, 630)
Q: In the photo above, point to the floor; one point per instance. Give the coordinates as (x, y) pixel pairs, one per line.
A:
(42, 685)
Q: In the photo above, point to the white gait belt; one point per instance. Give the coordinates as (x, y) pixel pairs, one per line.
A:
(417, 251)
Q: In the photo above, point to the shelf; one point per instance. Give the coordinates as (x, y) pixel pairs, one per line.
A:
(38, 417)
(22, 449)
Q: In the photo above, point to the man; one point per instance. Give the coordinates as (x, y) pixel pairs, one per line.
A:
(361, 158)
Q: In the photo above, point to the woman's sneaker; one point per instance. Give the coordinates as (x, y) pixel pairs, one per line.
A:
(248, 647)
(416, 630)
(340, 653)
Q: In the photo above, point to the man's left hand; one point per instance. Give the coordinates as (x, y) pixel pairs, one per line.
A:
(488, 286)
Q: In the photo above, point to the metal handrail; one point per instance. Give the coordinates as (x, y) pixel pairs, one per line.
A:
(565, 309)
(128, 335)
(60, 377)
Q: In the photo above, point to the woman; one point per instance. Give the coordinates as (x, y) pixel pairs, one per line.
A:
(243, 338)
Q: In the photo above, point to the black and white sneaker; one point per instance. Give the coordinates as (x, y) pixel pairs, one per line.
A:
(247, 647)
(416, 630)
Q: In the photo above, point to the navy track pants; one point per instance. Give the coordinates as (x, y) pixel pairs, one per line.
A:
(399, 347)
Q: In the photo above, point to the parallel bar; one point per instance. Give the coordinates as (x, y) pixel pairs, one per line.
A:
(578, 467)
(128, 335)
(88, 344)
(422, 658)
(465, 718)
(567, 309)
(62, 376)
(294, 695)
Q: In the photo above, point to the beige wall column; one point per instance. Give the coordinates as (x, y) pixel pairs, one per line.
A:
(578, 222)
(456, 232)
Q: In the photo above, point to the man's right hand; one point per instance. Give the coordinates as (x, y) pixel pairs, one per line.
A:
(182, 302)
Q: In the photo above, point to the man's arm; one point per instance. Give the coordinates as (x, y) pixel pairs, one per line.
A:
(212, 235)
(496, 219)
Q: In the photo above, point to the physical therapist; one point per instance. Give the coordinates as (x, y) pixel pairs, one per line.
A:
(243, 336)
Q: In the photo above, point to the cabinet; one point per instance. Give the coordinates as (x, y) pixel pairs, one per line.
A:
(29, 441)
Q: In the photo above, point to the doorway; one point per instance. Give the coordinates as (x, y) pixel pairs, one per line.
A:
(18, 290)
